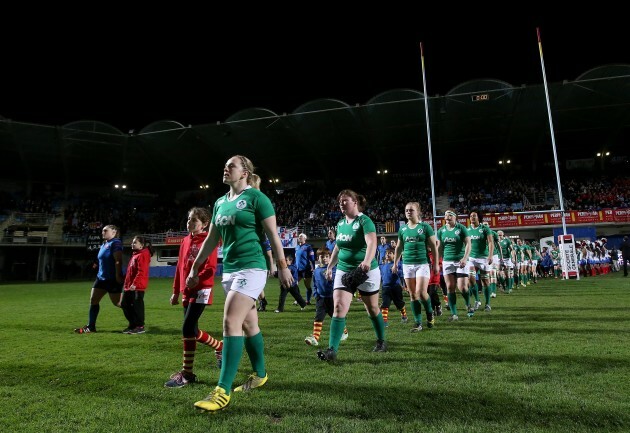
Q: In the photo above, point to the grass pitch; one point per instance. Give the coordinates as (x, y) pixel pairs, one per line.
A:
(553, 357)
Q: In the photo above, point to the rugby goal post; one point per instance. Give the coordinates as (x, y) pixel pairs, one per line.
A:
(568, 257)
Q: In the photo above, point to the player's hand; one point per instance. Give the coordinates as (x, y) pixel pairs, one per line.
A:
(286, 279)
(192, 280)
(328, 274)
(174, 299)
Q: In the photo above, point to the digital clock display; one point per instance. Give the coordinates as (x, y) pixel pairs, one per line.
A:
(480, 97)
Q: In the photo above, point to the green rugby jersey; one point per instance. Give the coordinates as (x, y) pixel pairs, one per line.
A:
(506, 248)
(495, 236)
(351, 242)
(453, 241)
(414, 241)
(479, 239)
(240, 227)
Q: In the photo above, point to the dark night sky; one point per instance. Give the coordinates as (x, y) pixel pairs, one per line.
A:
(197, 66)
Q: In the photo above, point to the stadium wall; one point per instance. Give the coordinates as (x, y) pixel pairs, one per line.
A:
(59, 262)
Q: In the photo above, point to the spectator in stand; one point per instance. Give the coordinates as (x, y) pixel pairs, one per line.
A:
(109, 279)
(136, 282)
(194, 297)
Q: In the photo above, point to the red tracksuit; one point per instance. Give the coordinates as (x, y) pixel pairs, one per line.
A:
(187, 254)
(138, 270)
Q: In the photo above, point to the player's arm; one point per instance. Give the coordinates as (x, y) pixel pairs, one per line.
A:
(397, 254)
(468, 246)
(436, 255)
(284, 273)
(334, 258)
(370, 240)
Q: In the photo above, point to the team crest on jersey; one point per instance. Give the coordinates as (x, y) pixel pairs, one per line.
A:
(241, 204)
(457, 232)
(355, 226)
(420, 231)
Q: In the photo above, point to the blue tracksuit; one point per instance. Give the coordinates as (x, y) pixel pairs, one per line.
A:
(293, 290)
(323, 292)
(392, 286)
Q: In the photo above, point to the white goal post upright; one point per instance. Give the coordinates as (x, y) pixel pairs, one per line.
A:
(426, 116)
(567, 242)
(553, 137)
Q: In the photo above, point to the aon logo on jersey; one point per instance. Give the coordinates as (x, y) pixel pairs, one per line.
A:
(224, 220)
(449, 240)
(344, 238)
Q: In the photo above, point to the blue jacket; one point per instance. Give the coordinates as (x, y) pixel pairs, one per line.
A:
(322, 287)
(547, 260)
(381, 252)
(106, 261)
(391, 280)
(304, 257)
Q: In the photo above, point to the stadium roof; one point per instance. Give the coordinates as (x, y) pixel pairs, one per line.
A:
(476, 124)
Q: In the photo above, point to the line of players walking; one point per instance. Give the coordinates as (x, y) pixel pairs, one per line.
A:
(244, 221)
(472, 260)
